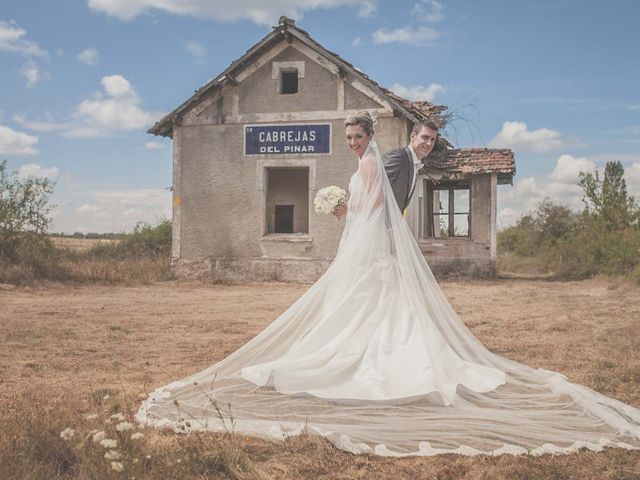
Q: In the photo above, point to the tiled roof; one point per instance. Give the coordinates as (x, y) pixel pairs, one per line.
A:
(470, 161)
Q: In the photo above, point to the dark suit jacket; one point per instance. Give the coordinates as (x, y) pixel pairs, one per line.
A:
(399, 167)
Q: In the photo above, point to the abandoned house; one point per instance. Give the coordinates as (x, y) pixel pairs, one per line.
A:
(253, 146)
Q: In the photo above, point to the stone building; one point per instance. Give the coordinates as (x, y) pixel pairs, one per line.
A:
(252, 147)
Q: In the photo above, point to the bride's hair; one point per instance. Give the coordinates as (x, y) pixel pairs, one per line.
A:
(362, 118)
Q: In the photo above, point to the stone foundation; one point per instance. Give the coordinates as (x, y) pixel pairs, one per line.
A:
(242, 270)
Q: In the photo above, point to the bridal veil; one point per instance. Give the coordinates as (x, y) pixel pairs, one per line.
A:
(374, 358)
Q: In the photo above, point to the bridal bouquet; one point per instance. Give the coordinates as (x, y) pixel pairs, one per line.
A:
(329, 198)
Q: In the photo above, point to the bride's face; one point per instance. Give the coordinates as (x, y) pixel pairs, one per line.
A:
(357, 139)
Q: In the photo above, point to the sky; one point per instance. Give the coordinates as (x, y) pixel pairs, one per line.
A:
(557, 81)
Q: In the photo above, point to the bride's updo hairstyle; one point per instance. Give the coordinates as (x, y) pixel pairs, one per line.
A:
(362, 118)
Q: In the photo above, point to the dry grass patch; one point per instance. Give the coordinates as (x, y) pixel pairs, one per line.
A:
(70, 352)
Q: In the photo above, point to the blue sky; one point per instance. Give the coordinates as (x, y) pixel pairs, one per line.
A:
(555, 80)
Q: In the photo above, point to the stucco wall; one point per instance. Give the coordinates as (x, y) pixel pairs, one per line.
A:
(220, 209)
(481, 208)
(316, 91)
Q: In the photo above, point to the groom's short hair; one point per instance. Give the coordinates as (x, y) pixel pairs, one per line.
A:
(424, 123)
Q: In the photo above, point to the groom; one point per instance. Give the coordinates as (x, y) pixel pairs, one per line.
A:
(403, 164)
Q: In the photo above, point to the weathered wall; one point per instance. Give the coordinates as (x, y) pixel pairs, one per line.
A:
(481, 209)
(316, 91)
(220, 195)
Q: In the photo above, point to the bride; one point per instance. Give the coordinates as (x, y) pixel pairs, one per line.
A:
(374, 358)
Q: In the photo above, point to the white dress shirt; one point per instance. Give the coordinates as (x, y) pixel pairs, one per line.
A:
(417, 165)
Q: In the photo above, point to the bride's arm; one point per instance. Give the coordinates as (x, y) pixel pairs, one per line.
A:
(371, 197)
(370, 173)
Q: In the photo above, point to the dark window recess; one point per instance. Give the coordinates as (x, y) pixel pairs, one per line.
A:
(289, 82)
(284, 219)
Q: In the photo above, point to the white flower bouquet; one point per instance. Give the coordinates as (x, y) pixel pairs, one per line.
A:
(329, 198)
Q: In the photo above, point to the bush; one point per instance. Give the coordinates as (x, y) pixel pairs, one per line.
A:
(145, 241)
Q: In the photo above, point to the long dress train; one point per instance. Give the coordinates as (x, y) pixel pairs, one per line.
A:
(374, 358)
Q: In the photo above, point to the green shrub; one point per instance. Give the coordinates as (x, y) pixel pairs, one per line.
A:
(145, 241)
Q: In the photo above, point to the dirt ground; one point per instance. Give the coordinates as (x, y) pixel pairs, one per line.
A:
(80, 341)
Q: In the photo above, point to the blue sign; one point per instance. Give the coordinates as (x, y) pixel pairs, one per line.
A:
(287, 139)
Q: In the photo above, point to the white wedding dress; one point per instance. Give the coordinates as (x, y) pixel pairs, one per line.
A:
(373, 358)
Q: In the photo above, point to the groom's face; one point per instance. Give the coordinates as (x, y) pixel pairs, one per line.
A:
(423, 141)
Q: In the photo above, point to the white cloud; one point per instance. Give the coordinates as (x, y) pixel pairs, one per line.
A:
(88, 210)
(32, 73)
(12, 40)
(34, 170)
(48, 125)
(634, 107)
(632, 177)
(417, 92)
(16, 143)
(196, 49)
(90, 56)
(568, 168)
(409, 35)
(115, 109)
(153, 145)
(428, 11)
(515, 135)
(356, 42)
(257, 11)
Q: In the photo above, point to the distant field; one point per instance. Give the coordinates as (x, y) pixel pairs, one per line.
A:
(79, 244)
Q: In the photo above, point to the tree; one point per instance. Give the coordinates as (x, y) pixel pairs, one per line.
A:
(607, 199)
(24, 206)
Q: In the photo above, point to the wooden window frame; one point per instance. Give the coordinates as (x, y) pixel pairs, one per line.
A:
(429, 225)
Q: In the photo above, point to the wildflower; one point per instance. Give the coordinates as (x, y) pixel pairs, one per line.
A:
(98, 436)
(109, 443)
(137, 436)
(135, 460)
(148, 457)
(112, 455)
(118, 417)
(117, 466)
(106, 397)
(123, 426)
(67, 433)
(91, 417)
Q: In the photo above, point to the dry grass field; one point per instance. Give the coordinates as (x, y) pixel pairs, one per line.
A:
(79, 244)
(73, 356)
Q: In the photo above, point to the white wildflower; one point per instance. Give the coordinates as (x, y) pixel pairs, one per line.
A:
(99, 436)
(91, 417)
(113, 455)
(118, 417)
(117, 466)
(124, 426)
(106, 397)
(148, 457)
(137, 436)
(67, 433)
(135, 460)
(109, 443)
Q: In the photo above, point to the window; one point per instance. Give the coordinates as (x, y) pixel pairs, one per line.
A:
(284, 219)
(289, 81)
(287, 200)
(448, 207)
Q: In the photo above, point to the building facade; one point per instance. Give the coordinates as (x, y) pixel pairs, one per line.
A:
(253, 146)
